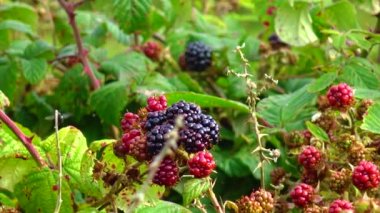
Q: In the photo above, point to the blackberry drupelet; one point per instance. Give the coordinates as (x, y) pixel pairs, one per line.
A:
(153, 119)
(198, 56)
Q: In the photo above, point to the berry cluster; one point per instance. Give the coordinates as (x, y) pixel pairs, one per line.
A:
(144, 136)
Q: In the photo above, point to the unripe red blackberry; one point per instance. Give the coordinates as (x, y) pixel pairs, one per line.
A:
(182, 62)
(120, 149)
(198, 56)
(340, 96)
(302, 194)
(201, 165)
(167, 174)
(310, 158)
(310, 177)
(156, 103)
(128, 137)
(278, 176)
(248, 205)
(339, 206)
(130, 121)
(152, 50)
(265, 199)
(366, 176)
(339, 180)
(138, 148)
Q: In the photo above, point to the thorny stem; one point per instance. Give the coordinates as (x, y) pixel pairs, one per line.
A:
(171, 144)
(214, 201)
(252, 100)
(69, 8)
(60, 175)
(26, 141)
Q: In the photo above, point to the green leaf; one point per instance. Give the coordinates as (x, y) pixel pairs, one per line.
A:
(16, 26)
(341, 15)
(36, 192)
(4, 101)
(34, 70)
(193, 189)
(206, 101)
(89, 186)
(132, 14)
(322, 82)
(360, 73)
(19, 11)
(161, 207)
(117, 33)
(317, 131)
(363, 93)
(130, 67)
(109, 101)
(39, 49)
(73, 146)
(294, 25)
(13, 170)
(99, 144)
(371, 120)
(192, 84)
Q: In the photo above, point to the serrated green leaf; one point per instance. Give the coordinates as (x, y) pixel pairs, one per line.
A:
(194, 188)
(109, 101)
(36, 192)
(16, 26)
(129, 67)
(192, 84)
(317, 131)
(206, 101)
(360, 73)
(341, 15)
(132, 13)
(116, 32)
(89, 186)
(111, 161)
(7, 201)
(294, 24)
(13, 170)
(39, 49)
(99, 144)
(162, 207)
(371, 121)
(73, 146)
(34, 70)
(322, 82)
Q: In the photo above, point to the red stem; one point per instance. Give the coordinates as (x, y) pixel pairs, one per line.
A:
(69, 8)
(26, 141)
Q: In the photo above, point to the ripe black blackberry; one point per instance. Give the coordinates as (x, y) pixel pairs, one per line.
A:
(182, 108)
(154, 118)
(156, 138)
(198, 56)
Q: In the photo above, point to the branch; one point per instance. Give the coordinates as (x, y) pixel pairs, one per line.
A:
(26, 141)
(171, 143)
(69, 8)
(60, 175)
(214, 201)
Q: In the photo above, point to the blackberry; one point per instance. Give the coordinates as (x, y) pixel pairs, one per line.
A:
(156, 138)
(130, 121)
(312, 209)
(363, 108)
(366, 176)
(128, 138)
(201, 165)
(310, 177)
(340, 96)
(310, 158)
(152, 50)
(138, 148)
(356, 154)
(156, 103)
(341, 206)
(339, 180)
(198, 56)
(278, 176)
(167, 174)
(302, 194)
(182, 108)
(248, 205)
(182, 62)
(264, 198)
(154, 119)
(120, 150)
(193, 141)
